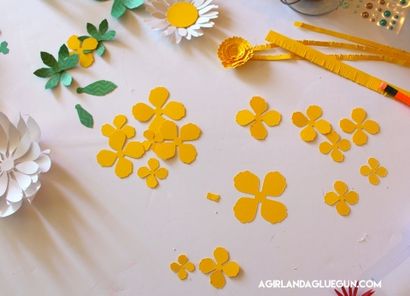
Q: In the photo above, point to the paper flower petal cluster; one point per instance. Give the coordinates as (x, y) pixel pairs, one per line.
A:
(342, 197)
(182, 267)
(374, 171)
(21, 163)
(234, 52)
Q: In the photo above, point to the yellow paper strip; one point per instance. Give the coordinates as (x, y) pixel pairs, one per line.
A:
(341, 57)
(214, 197)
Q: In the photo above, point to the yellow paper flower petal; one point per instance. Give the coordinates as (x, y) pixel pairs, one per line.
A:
(331, 198)
(152, 182)
(359, 115)
(123, 168)
(190, 266)
(337, 155)
(258, 131)
(89, 44)
(308, 134)
(299, 119)
(371, 126)
(274, 184)
(272, 118)
(365, 171)
(86, 59)
(347, 125)
(207, 265)
(382, 171)
(175, 267)
(187, 153)
(352, 197)
(169, 130)
(120, 120)
(153, 164)
(273, 211)
(134, 150)
(158, 96)
(245, 209)
(174, 110)
(107, 130)
(340, 187)
(161, 173)
(73, 42)
(359, 138)
(129, 131)
(314, 112)
(182, 259)
(374, 163)
(143, 172)
(259, 105)
(117, 141)
(231, 269)
(221, 255)
(218, 279)
(244, 117)
(374, 179)
(344, 145)
(165, 150)
(106, 158)
(323, 126)
(247, 182)
(142, 112)
(325, 147)
(190, 132)
(333, 137)
(342, 208)
(182, 274)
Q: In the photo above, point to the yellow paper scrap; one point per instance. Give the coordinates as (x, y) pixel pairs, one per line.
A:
(214, 197)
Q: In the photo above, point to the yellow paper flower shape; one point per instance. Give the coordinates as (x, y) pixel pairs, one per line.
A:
(374, 171)
(81, 48)
(152, 138)
(182, 267)
(158, 98)
(246, 208)
(234, 52)
(152, 173)
(262, 115)
(119, 125)
(123, 167)
(336, 146)
(219, 267)
(311, 123)
(359, 125)
(342, 198)
(175, 139)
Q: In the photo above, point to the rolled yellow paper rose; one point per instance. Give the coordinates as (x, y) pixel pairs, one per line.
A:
(234, 52)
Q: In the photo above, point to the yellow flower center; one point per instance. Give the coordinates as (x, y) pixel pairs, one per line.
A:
(182, 14)
(260, 197)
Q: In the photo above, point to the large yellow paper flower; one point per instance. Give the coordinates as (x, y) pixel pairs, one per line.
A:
(119, 125)
(176, 139)
(359, 125)
(262, 115)
(81, 48)
(182, 267)
(123, 167)
(218, 267)
(311, 123)
(234, 52)
(341, 198)
(336, 146)
(152, 173)
(158, 98)
(246, 208)
(374, 171)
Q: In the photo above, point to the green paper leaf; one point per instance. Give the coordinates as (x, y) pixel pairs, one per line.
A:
(63, 52)
(3, 47)
(69, 62)
(53, 81)
(66, 79)
(110, 35)
(48, 59)
(91, 29)
(44, 72)
(103, 27)
(85, 117)
(98, 88)
(100, 49)
(131, 4)
(118, 9)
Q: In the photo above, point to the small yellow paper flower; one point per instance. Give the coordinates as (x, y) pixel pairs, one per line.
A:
(124, 167)
(234, 52)
(341, 198)
(336, 146)
(119, 125)
(177, 139)
(262, 115)
(182, 266)
(158, 98)
(373, 171)
(152, 173)
(311, 123)
(78, 46)
(218, 267)
(246, 208)
(152, 138)
(359, 125)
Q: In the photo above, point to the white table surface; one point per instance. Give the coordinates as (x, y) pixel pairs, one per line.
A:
(90, 233)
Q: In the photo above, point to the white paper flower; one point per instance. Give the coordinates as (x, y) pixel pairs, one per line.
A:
(21, 163)
(181, 18)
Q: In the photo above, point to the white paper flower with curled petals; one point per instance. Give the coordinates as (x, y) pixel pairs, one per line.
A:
(181, 18)
(21, 163)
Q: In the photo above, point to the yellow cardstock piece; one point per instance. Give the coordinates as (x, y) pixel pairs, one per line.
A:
(260, 117)
(374, 171)
(158, 98)
(182, 267)
(311, 122)
(359, 125)
(246, 208)
(79, 47)
(214, 197)
(342, 197)
(152, 173)
(335, 147)
(119, 125)
(219, 267)
(121, 150)
(176, 141)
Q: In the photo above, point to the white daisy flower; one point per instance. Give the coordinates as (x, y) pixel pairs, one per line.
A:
(181, 18)
(21, 163)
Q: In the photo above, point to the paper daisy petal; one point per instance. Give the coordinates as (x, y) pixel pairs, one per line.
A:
(21, 163)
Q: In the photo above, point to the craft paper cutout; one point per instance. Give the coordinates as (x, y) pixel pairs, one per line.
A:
(120, 125)
(374, 171)
(262, 115)
(98, 88)
(158, 98)
(4, 47)
(359, 125)
(353, 292)
(182, 267)
(175, 141)
(119, 7)
(152, 138)
(56, 70)
(101, 34)
(180, 19)
(219, 267)
(213, 197)
(311, 123)
(335, 147)
(85, 117)
(21, 163)
(83, 48)
(152, 173)
(246, 208)
(341, 198)
(121, 150)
